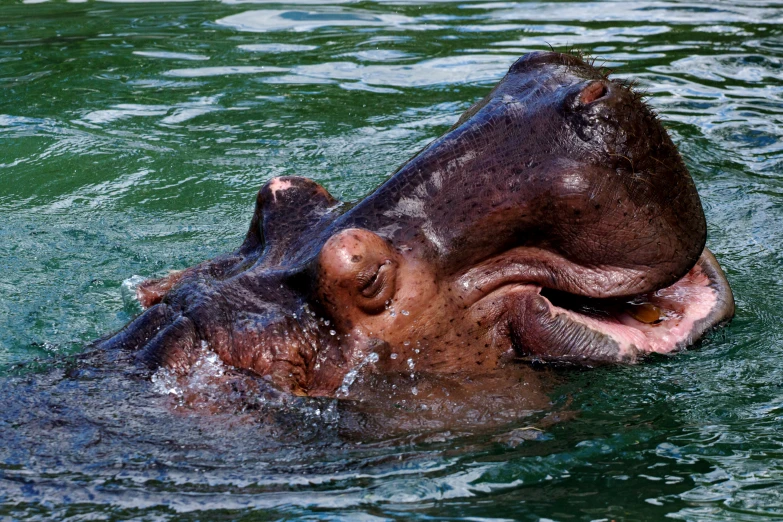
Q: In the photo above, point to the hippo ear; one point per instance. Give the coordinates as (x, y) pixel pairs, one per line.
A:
(152, 291)
(286, 207)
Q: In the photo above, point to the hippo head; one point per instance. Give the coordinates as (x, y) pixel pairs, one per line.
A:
(554, 221)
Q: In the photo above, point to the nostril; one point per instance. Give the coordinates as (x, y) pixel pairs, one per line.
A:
(592, 92)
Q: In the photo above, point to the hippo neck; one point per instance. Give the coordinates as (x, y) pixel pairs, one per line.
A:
(443, 199)
(468, 194)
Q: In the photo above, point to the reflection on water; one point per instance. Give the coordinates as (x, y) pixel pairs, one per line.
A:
(134, 137)
(303, 21)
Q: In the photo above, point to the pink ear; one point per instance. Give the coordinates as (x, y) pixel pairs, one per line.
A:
(152, 291)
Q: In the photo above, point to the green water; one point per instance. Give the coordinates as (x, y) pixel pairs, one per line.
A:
(133, 137)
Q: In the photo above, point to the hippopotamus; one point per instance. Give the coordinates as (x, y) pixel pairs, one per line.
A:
(554, 222)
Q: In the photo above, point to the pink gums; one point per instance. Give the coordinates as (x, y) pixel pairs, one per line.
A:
(683, 304)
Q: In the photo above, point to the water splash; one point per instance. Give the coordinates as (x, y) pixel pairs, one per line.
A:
(199, 382)
(351, 376)
(128, 290)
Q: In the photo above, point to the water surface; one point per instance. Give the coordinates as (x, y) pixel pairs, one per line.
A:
(134, 136)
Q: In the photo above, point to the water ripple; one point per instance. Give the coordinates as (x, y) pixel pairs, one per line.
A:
(135, 136)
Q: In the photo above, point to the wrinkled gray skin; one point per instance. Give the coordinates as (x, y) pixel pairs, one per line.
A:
(554, 221)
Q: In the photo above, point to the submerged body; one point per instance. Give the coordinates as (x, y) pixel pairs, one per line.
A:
(555, 221)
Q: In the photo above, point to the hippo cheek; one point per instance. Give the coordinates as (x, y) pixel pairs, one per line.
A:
(547, 324)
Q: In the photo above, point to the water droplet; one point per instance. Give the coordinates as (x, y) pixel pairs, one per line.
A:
(332, 332)
(406, 343)
(415, 391)
(405, 312)
(350, 377)
(393, 356)
(411, 364)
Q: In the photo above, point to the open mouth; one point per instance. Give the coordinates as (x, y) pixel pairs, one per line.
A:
(565, 326)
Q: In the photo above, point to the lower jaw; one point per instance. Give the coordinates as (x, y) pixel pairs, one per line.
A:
(663, 321)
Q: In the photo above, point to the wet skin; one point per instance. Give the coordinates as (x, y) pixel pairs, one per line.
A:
(555, 221)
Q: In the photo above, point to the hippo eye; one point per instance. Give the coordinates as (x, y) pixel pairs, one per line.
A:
(372, 281)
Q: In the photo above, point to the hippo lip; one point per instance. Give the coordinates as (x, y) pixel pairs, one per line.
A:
(556, 324)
